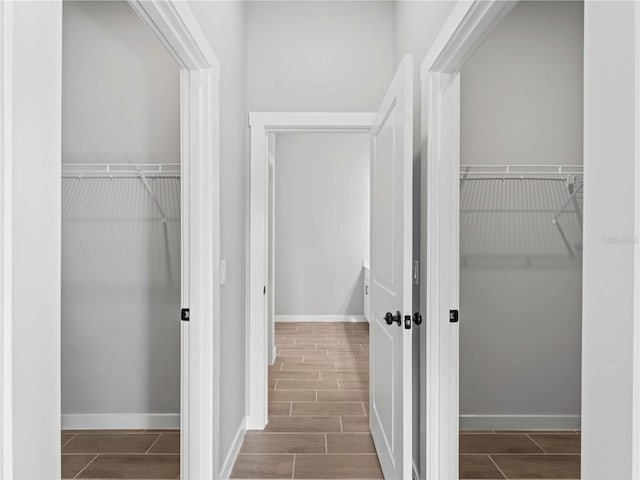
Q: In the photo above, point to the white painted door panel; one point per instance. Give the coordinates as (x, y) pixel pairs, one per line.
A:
(390, 289)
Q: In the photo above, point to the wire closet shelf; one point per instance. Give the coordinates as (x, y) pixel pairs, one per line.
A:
(140, 171)
(120, 170)
(542, 188)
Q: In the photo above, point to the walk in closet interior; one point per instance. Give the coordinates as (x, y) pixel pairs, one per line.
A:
(521, 203)
(120, 224)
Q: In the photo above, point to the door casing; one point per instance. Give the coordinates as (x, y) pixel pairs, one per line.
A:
(178, 30)
(263, 127)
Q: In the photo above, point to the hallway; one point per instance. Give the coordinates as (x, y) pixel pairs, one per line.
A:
(318, 407)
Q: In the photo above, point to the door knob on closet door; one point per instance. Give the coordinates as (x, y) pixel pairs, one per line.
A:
(417, 318)
(391, 318)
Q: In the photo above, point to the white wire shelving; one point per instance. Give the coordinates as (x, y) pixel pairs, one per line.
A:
(542, 197)
(120, 170)
(140, 171)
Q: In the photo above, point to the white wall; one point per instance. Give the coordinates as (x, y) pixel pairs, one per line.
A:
(120, 88)
(120, 264)
(610, 162)
(521, 103)
(321, 223)
(223, 23)
(35, 281)
(318, 56)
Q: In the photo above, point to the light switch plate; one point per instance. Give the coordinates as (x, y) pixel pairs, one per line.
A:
(415, 274)
(223, 271)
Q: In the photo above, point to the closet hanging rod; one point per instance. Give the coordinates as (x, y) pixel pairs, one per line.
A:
(120, 170)
(521, 172)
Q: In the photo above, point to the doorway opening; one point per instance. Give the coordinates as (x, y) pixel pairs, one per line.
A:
(520, 277)
(390, 366)
(504, 208)
(175, 196)
(318, 250)
(121, 246)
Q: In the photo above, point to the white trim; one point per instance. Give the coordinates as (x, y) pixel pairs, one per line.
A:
(174, 24)
(6, 192)
(111, 421)
(311, 121)
(519, 422)
(262, 124)
(416, 474)
(635, 426)
(320, 318)
(467, 25)
(232, 455)
(178, 30)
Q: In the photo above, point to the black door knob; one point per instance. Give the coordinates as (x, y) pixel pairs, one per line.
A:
(391, 318)
(417, 318)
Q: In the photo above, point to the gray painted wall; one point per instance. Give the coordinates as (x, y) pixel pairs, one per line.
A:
(521, 103)
(224, 24)
(318, 56)
(321, 223)
(120, 264)
(115, 71)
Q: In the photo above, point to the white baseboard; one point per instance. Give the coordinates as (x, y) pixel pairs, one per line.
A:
(110, 421)
(232, 454)
(519, 422)
(274, 354)
(319, 318)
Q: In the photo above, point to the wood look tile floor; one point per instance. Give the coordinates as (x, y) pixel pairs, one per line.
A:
(520, 455)
(107, 454)
(318, 426)
(318, 406)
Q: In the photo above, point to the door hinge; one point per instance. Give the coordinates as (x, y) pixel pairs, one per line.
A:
(453, 316)
(184, 315)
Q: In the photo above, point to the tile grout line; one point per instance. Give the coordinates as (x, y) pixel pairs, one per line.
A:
(293, 467)
(74, 435)
(499, 469)
(86, 466)
(154, 442)
(536, 443)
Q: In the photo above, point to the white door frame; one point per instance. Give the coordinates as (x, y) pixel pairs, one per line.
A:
(6, 424)
(174, 24)
(468, 24)
(264, 124)
(635, 440)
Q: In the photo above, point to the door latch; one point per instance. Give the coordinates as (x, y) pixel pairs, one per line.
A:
(391, 318)
(453, 316)
(184, 315)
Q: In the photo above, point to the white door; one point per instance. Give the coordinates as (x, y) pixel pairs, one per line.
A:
(390, 328)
